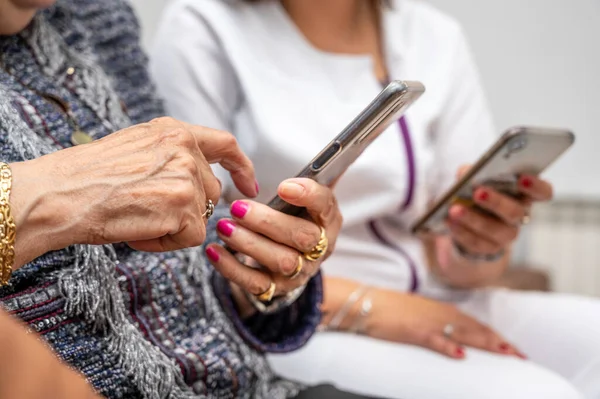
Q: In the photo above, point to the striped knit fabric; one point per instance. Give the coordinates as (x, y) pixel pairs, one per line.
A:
(180, 336)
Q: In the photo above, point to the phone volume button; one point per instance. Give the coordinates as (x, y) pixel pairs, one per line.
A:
(326, 156)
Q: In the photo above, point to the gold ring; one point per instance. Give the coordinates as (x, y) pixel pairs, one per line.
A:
(210, 209)
(298, 268)
(320, 249)
(267, 296)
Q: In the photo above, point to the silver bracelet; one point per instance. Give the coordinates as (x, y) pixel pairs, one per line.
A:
(339, 317)
(359, 326)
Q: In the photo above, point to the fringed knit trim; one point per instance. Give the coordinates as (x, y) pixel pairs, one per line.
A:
(90, 286)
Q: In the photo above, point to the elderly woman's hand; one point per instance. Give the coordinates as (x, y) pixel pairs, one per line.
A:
(488, 234)
(147, 185)
(275, 240)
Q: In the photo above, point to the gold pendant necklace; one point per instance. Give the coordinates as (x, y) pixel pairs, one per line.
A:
(78, 136)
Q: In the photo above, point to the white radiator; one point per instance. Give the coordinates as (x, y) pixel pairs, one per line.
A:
(564, 239)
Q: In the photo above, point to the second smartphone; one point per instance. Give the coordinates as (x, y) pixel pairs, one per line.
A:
(520, 150)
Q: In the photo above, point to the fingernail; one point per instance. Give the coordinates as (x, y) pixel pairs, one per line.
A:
(504, 347)
(526, 182)
(212, 254)
(457, 212)
(483, 195)
(225, 227)
(239, 209)
(256, 186)
(522, 356)
(291, 190)
(460, 352)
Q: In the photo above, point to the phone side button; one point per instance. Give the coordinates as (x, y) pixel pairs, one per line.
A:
(326, 156)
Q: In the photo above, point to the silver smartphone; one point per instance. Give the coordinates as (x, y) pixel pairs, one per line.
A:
(329, 165)
(520, 150)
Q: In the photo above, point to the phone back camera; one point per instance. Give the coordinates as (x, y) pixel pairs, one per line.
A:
(515, 145)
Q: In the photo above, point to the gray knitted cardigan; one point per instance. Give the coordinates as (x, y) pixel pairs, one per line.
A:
(135, 324)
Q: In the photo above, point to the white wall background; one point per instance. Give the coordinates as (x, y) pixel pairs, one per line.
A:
(540, 61)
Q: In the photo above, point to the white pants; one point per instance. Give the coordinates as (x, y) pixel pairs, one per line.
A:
(559, 333)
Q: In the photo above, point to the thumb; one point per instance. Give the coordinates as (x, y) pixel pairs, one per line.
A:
(462, 170)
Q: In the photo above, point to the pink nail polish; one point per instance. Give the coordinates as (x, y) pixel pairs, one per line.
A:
(212, 254)
(239, 209)
(460, 352)
(225, 227)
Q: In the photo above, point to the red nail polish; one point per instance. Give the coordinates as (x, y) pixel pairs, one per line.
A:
(483, 195)
(526, 182)
(460, 352)
(212, 254)
(504, 347)
(239, 209)
(225, 227)
(256, 186)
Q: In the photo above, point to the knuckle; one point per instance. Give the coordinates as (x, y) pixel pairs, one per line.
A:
(229, 140)
(255, 286)
(188, 163)
(182, 193)
(428, 339)
(161, 120)
(305, 238)
(330, 208)
(170, 225)
(287, 262)
(177, 136)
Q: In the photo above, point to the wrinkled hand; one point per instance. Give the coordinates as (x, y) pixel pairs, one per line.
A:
(276, 240)
(421, 322)
(147, 185)
(483, 234)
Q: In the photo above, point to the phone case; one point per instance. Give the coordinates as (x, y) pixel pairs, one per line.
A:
(520, 150)
(329, 165)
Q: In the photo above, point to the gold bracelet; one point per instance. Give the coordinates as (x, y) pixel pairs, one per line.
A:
(8, 230)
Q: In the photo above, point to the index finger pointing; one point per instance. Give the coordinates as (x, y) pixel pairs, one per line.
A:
(221, 147)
